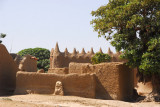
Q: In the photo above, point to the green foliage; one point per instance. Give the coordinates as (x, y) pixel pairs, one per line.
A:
(100, 57)
(2, 35)
(42, 54)
(132, 26)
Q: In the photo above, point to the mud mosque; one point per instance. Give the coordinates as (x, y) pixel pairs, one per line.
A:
(70, 74)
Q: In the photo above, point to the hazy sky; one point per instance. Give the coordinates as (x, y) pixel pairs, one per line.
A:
(42, 23)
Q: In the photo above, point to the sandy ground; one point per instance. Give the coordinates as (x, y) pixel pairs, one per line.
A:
(34, 100)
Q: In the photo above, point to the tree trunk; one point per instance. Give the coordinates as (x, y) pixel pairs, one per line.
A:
(155, 94)
(156, 83)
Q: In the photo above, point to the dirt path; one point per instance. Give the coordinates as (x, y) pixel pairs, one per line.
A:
(33, 100)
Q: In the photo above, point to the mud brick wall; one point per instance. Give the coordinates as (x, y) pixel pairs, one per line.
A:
(62, 59)
(58, 70)
(28, 64)
(114, 79)
(8, 69)
(82, 85)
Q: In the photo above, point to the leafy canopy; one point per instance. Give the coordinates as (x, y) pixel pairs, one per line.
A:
(42, 54)
(132, 26)
(100, 57)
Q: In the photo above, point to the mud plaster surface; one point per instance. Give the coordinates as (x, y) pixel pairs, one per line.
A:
(65, 101)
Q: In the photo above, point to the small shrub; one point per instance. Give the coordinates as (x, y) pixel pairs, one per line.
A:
(100, 57)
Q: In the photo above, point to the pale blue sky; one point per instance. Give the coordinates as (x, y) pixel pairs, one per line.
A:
(42, 23)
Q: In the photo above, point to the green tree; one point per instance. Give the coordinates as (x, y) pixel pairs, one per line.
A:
(133, 26)
(2, 35)
(100, 57)
(42, 54)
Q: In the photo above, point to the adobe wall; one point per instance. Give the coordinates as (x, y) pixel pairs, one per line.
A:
(58, 70)
(81, 68)
(114, 79)
(28, 64)
(44, 83)
(8, 69)
(62, 59)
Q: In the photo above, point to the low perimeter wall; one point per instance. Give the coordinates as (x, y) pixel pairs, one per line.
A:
(114, 79)
(44, 83)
